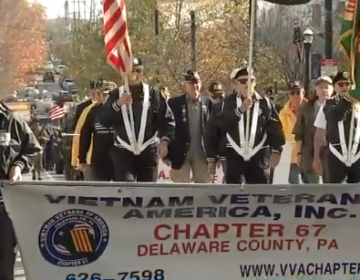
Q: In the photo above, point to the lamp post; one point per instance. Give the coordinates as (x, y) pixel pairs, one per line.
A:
(308, 39)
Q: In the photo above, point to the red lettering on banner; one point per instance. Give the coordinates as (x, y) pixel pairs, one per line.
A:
(183, 248)
(270, 245)
(202, 231)
(327, 244)
(214, 179)
(161, 175)
(161, 232)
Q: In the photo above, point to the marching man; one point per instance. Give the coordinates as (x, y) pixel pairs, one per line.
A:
(141, 121)
(191, 111)
(251, 126)
(342, 125)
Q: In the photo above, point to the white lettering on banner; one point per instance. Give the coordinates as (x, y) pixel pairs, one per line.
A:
(99, 233)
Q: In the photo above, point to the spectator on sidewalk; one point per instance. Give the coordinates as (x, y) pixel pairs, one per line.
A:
(304, 129)
(288, 117)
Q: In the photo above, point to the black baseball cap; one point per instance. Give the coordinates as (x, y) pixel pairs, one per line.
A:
(103, 85)
(341, 76)
(191, 76)
(270, 91)
(137, 62)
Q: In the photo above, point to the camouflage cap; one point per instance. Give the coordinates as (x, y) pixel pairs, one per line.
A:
(216, 88)
(191, 76)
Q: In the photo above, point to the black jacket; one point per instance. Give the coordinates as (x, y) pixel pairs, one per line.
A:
(337, 109)
(278, 107)
(304, 131)
(158, 121)
(225, 119)
(180, 143)
(79, 109)
(101, 137)
(21, 147)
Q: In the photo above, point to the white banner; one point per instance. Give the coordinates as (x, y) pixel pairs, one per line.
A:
(172, 233)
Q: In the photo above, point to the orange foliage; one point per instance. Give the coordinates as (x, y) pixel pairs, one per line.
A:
(22, 42)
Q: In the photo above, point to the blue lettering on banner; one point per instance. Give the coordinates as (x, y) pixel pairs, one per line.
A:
(157, 274)
(298, 270)
(223, 206)
(73, 237)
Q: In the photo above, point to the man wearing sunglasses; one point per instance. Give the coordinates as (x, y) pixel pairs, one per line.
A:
(191, 112)
(271, 94)
(342, 115)
(341, 84)
(288, 117)
(96, 141)
(252, 129)
(140, 119)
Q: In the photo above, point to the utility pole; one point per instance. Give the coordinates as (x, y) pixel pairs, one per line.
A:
(92, 10)
(74, 11)
(157, 33)
(328, 29)
(193, 40)
(79, 9)
(67, 18)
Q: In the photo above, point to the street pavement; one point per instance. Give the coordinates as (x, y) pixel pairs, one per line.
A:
(47, 176)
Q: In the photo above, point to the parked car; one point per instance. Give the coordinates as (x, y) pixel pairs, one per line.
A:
(68, 84)
(60, 69)
(49, 66)
(49, 77)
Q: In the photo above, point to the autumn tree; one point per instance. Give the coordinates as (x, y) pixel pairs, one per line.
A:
(22, 42)
(222, 33)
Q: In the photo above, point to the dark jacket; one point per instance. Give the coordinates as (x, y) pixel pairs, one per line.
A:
(180, 143)
(21, 147)
(93, 133)
(337, 109)
(215, 135)
(228, 117)
(304, 131)
(158, 121)
(79, 109)
(278, 107)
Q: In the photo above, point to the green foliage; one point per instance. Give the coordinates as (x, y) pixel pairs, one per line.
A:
(85, 54)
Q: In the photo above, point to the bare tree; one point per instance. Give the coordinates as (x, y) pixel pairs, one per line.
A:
(275, 30)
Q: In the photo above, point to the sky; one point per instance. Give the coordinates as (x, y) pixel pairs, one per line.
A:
(54, 8)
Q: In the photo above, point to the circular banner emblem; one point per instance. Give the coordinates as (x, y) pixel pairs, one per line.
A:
(73, 237)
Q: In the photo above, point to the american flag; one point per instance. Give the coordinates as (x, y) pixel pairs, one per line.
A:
(117, 41)
(298, 39)
(56, 112)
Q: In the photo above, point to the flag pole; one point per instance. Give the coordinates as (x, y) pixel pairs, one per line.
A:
(250, 64)
(125, 77)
